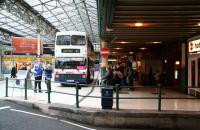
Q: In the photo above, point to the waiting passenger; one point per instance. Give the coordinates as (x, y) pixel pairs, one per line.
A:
(108, 76)
(48, 75)
(13, 72)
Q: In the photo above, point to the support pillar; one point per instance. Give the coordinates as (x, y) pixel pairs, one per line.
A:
(184, 67)
(38, 43)
(104, 60)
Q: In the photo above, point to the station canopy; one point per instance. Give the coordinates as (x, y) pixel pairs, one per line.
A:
(25, 18)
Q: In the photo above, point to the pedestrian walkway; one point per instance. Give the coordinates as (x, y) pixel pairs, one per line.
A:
(139, 92)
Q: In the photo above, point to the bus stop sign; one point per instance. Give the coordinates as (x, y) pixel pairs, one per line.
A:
(105, 52)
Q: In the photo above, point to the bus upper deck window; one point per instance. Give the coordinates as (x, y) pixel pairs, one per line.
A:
(63, 40)
(78, 40)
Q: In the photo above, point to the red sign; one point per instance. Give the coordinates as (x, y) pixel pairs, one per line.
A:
(105, 52)
(25, 45)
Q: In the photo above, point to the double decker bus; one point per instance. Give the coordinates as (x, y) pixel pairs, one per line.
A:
(74, 56)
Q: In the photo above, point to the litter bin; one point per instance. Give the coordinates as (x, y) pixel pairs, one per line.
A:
(107, 97)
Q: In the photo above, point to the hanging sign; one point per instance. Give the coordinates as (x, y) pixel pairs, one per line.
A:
(194, 46)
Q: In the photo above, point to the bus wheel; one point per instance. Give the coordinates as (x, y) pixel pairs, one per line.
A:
(63, 85)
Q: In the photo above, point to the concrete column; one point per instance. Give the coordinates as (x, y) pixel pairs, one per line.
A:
(184, 67)
(38, 43)
(104, 61)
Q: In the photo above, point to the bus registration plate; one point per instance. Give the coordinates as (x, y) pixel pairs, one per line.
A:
(70, 81)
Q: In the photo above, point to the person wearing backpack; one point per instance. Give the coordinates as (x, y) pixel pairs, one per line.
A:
(38, 71)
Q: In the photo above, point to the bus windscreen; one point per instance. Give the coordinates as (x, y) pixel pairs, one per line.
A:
(63, 40)
(69, 63)
(78, 40)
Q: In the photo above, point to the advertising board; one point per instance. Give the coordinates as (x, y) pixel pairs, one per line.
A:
(23, 45)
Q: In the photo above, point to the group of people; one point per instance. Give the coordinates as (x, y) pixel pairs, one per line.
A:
(120, 73)
(37, 70)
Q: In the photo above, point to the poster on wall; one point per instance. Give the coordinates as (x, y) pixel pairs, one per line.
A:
(23, 45)
(7, 66)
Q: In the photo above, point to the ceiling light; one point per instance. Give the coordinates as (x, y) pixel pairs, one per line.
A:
(131, 52)
(143, 48)
(177, 63)
(114, 52)
(156, 42)
(112, 60)
(198, 24)
(109, 29)
(118, 48)
(123, 42)
(138, 24)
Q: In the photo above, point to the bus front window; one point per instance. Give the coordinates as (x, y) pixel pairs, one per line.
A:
(70, 63)
(78, 40)
(63, 40)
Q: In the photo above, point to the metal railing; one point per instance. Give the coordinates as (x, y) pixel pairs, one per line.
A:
(77, 95)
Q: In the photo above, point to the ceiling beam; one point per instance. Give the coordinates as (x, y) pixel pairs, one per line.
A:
(24, 11)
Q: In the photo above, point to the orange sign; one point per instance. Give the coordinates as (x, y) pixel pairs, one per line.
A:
(25, 45)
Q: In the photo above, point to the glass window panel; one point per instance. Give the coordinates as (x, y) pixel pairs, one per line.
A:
(33, 2)
(77, 40)
(63, 40)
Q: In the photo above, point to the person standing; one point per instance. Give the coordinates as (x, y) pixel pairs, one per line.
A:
(13, 72)
(48, 75)
(130, 76)
(37, 71)
(157, 77)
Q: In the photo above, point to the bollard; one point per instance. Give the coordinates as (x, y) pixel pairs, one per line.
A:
(77, 94)
(6, 87)
(25, 97)
(117, 96)
(49, 90)
(159, 97)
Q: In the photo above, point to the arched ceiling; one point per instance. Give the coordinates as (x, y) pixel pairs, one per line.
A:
(24, 17)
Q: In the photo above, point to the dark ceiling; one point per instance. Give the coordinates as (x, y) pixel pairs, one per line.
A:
(164, 22)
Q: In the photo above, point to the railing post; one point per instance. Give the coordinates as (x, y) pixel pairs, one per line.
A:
(49, 90)
(159, 97)
(77, 95)
(6, 87)
(117, 96)
(25, 89)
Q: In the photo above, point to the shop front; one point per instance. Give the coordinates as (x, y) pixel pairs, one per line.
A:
(194, 63)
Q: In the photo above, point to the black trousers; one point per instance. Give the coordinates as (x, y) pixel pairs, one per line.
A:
(38, 83)
(48, 80)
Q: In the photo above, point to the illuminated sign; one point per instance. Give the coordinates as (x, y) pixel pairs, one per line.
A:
(194, 46)
(70, 50)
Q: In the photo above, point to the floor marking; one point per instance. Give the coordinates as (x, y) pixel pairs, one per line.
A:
(30, 113)
(6, 107)
(77, 125)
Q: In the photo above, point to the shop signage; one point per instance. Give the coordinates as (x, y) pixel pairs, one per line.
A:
(23, 45)
(194, 46)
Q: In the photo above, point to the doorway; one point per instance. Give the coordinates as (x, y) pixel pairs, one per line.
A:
(193, 73)
(198, 72)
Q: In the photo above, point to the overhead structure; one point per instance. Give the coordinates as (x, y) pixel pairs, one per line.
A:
(5, 36)
(132, 24)
(24, 17)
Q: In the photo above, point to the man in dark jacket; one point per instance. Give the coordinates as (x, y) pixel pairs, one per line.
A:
(48, 75)
(13, 72)
(108, 76)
